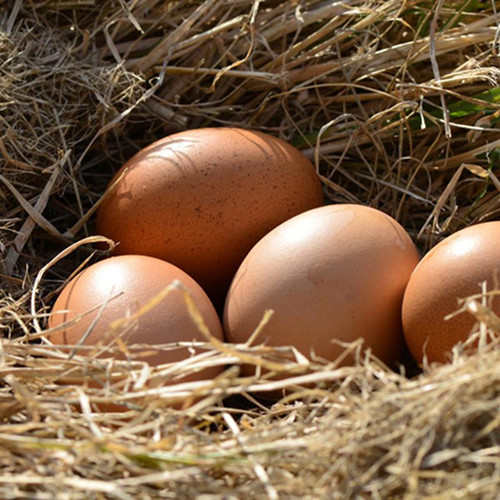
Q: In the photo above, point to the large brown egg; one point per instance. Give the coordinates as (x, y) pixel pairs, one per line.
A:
(201, 199)
(452, 271)
(335, 273)
(120, 287)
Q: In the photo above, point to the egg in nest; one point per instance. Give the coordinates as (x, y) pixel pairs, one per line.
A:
(202, 198)
(451, 272)
(331, 275)
(123, 297)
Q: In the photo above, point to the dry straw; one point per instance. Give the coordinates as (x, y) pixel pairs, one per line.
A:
(397, 104)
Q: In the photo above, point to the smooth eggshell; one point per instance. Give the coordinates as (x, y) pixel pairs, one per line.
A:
(128, 283)
(333, 273)
(202, 198)
(451, 271)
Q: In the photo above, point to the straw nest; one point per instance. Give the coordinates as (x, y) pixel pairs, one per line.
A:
(396, 103)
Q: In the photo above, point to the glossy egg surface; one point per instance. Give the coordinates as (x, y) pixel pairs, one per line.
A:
(451, 272)
(334, 273)
(202, 198)
(128, 286)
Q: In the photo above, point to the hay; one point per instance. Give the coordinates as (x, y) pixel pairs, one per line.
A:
(360, 86)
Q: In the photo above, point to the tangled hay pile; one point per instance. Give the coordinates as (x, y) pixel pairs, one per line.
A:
(396, 103)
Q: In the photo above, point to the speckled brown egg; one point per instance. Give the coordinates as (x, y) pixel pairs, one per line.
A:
(334, 273)
(452, 271)
(120, 287)
(201, 199)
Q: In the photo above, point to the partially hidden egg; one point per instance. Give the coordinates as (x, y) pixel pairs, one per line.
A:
(450, 273)
(202, 198)
(334, 273)
(125, 296)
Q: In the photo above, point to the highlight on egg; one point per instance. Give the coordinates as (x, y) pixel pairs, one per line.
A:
(94, 303)
(202, 198)
(332, 274)
(447, 275)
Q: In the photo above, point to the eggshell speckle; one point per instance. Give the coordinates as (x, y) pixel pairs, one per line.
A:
(125, 284)
(202, 198)
(333, 273)
(452, 270)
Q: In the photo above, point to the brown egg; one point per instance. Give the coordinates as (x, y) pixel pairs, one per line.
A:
(201, 199)
(453, 270)
(335, 273)
(119, 287)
